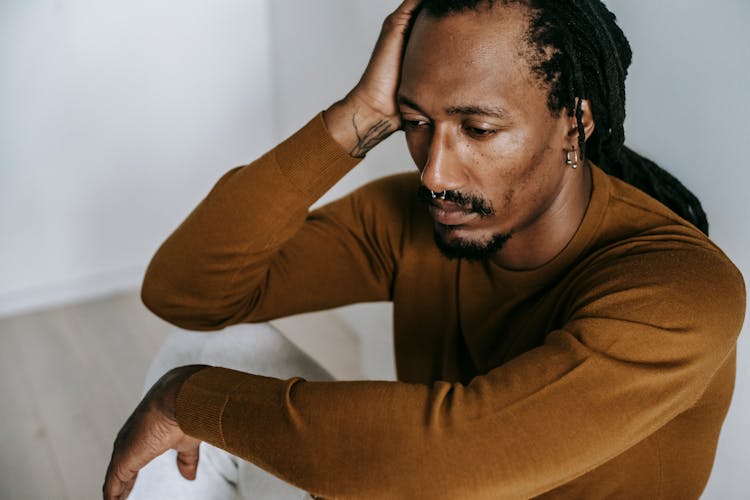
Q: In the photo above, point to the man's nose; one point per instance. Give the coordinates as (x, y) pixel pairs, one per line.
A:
(443, 170)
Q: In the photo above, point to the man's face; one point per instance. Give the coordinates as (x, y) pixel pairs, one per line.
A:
(477, 126)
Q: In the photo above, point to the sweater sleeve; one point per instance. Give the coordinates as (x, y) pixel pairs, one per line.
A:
(251, 252)
(645, 336)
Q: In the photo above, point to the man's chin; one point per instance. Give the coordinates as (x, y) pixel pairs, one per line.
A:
(454, 246)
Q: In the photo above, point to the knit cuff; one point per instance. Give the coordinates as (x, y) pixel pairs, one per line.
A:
(201, 401)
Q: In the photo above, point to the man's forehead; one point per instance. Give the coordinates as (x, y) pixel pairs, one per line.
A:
(470, 63)
(480, 44)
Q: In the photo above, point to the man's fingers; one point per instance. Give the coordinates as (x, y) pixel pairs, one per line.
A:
(408, 6)
(129, 487)
(112, 489)
(187, 461)
(390, 44)
(145, 435)
(118, 482)
(401, 18)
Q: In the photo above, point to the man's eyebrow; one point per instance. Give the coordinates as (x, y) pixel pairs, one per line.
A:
(472, 109)
(469, 109)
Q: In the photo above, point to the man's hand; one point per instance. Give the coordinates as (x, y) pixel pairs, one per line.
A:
(151, 430)
(369, 113)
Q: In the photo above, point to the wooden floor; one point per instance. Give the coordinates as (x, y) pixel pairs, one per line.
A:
(68, 379)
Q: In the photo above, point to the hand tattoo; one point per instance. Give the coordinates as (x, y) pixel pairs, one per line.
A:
(371, 138)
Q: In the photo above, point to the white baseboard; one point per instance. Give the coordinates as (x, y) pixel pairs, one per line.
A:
(81, 289)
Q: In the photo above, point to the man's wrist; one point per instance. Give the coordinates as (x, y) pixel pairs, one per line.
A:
(168, 388)
(356, 127)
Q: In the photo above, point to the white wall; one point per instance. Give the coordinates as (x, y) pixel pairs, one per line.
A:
(688, 108)
(115, 119)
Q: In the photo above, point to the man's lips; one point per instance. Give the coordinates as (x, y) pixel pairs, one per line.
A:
(450, 214)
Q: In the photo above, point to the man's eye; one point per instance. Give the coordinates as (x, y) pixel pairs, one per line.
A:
(479, 132)
(415, 123)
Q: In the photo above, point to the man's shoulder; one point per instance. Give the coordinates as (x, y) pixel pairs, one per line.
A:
(640, 238)
(627, 197)
(633, 215)
(647, 265)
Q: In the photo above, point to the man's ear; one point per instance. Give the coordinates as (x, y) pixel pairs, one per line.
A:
(587, 118)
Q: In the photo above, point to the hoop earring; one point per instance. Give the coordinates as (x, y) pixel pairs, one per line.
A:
(571, 158)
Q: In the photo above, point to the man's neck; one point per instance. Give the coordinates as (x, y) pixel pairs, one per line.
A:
(541, 242)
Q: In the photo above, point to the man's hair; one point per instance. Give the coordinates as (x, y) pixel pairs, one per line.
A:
(579, 52)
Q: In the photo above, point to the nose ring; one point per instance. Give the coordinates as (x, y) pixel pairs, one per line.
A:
(440, 195)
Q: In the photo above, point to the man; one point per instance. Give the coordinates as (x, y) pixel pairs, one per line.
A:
(559, 333)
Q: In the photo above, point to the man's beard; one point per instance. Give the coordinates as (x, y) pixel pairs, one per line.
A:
(459, 248)
(470, 250)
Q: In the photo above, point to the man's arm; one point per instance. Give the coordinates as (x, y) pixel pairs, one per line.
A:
(250, 251)
(216, 268)
(641, 346)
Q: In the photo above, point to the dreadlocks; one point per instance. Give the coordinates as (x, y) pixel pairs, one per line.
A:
(579, 52)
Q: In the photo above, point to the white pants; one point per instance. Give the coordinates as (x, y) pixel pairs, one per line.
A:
(258, 349)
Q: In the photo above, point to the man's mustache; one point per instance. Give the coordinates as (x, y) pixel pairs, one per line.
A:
(471, 203)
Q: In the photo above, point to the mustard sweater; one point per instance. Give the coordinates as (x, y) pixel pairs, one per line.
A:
(607, 372)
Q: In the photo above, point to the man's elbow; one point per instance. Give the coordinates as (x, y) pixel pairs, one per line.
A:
(179, 306)
(160, 297)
